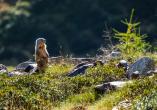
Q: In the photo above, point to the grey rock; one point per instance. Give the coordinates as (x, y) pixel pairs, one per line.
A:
(155, 71)
(24, 68)
(3, 69)
(102, 88)
(79, 70)
(115, 54)
(27, 66)
(17, 73)
(142, 66)
(135, 75)
(24, 65)
(82, 67)
(123, 64)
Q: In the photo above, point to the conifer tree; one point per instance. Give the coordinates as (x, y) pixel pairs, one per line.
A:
(132, 41)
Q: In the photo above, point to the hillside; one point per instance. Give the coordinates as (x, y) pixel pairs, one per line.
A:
(55, 90)
(117, 71)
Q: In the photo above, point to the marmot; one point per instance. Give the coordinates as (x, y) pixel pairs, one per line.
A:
(41, 54)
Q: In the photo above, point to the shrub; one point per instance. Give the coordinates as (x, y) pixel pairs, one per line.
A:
(105, 73)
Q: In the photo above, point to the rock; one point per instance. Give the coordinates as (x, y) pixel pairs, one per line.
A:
(143, 66)
(27, 66)
(82, 67)
(102, 88)
(114, 54)
(124, 105)
(31, 68)
(3, 69)
(15, 72)
(80, 64)
(79, 70)
(24, 68)
(155, 71)
(123, 64)
(135, 75)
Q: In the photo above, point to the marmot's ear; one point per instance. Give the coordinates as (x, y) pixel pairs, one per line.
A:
(44, 40)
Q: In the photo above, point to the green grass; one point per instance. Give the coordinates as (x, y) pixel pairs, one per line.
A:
(133, 92)
(54, 90)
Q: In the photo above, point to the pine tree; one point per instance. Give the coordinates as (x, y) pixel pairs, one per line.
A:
(132, 41)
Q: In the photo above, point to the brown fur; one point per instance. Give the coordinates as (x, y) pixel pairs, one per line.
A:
(41, 55)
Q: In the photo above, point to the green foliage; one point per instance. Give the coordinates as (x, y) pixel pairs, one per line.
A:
(132, 41)
(141, 88)
(53, 87)
(105, 73)
(132, 92)
(33, 92)
(84, 98)
(147, 103)
(10, 16)
(16, 13)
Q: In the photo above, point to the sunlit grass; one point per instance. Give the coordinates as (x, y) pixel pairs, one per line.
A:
(54, 90)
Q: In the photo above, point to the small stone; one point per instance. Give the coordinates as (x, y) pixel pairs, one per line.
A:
(15, 72)
(123, 64)
(135, 75)
(115, 54)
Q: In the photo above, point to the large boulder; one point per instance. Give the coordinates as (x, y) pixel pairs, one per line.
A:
(141, 67)
(3, 69)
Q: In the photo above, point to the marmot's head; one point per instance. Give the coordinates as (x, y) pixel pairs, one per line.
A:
(40, 43)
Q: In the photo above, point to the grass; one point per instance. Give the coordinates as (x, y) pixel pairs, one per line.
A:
(54, 90)
(133, 92)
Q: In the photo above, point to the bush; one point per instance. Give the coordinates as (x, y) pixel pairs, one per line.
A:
(105, 73)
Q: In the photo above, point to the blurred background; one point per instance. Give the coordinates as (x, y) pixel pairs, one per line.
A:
(71, 27)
